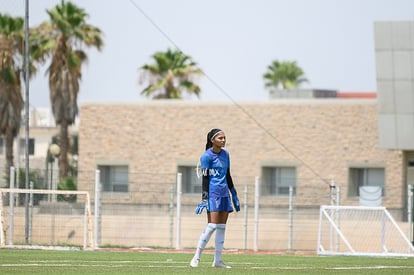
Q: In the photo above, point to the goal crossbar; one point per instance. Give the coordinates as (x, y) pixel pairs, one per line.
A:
(361, 231)
(87, 236)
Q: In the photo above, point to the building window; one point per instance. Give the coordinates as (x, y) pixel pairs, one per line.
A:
(191, 183)
(114, 178)
(22, 144)
(277, 180)
(365, 177)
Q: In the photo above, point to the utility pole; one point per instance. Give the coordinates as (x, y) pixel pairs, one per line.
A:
(26, 116)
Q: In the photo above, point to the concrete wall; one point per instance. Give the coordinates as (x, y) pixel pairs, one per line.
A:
(394, 55)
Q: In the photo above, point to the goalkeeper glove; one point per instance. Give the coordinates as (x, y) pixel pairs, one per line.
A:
(236, 202)
(203, 204)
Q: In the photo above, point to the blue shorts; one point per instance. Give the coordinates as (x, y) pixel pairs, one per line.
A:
(218, 204)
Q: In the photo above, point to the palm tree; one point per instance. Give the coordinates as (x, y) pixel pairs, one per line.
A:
(286, 74)
(172, 73)
(11, 101)
(63, 38)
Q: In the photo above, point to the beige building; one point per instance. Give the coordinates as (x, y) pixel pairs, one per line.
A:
(42, 129)
(299, 143)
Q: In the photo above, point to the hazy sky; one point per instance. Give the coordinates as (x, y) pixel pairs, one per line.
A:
(233, 41)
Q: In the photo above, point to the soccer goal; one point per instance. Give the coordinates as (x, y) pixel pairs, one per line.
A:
(361, 231)
(53, 218)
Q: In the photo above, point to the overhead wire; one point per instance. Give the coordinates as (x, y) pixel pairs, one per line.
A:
(223, 91)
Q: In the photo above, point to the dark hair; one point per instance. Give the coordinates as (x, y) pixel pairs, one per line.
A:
(210, 136)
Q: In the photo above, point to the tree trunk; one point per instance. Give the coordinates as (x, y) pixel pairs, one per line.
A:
(9, 150)
(64, 145)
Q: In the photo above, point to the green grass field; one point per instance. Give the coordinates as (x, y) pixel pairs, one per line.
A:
(19, 261)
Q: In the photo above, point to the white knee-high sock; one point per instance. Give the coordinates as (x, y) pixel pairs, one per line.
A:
(219, 241)
(204, 238)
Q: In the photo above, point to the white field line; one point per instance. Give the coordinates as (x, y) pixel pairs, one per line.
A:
(169, 263)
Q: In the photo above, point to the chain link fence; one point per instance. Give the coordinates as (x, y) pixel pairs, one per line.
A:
(147, 215)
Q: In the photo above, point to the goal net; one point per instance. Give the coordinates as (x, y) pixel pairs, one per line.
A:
(360, 231)
(53, 218)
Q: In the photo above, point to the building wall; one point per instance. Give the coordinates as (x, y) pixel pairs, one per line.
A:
(322, 138)
(394, 55)
(42, 137)
(42, 134)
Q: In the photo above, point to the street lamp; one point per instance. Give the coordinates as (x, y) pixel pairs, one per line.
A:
(54, 150)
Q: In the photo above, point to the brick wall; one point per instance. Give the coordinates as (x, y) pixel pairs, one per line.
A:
(322, 138)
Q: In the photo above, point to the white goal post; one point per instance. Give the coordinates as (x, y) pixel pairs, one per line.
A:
(60, 224)
(361, 231)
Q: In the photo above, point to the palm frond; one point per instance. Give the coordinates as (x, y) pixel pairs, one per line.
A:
(174, 70)
(287, 74)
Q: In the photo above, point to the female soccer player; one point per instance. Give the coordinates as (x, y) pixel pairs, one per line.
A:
(217, 181)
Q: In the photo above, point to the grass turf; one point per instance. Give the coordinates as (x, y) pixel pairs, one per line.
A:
(19, 261)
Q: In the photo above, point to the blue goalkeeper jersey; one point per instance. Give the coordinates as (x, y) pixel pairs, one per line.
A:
(216, 165)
